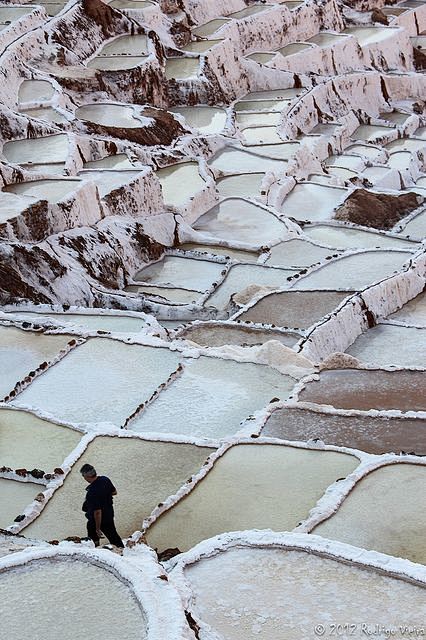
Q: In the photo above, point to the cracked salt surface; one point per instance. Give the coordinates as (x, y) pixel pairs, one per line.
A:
(251, 487)
(220, 394)
(91, 381)
(283, 594)
(78, 607)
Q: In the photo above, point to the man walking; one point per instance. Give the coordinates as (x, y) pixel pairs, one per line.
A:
(98, 507)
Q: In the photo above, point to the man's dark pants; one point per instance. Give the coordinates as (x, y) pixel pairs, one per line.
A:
(108, 529)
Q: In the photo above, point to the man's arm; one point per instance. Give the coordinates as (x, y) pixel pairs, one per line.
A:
(97, 514)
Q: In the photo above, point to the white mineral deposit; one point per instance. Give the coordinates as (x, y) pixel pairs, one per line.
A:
(212, 290)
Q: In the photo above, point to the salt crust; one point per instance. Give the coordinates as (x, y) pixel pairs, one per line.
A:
(138, 569)
(341, 552)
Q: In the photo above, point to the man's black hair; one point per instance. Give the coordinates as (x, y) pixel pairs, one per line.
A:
(88, 470)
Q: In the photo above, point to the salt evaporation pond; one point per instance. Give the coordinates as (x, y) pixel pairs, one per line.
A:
(222, 250)
(231, 160)
(278, 150)
(107, 181)
(416, 228)
(364, 150)
(369, 132)
(358, 389)
(387, 344)
(294, 47)
(35, 91)
(342, 237)
(355, 271)
(237, 220)
(212, 397)
(249, 11)
(406, 144)
(270, 106)
(12, 205)
(244, 490)
(375, 435)
(209, 28)
(116, 63)
(14, 497)
(45, 113)
(186, 273)
(180, 182)
(49, 148)
(97, 322)
(396, 117)
(249, 118)
(101, 380)
(353, 163)
(375, 173)
(340, 172)
(182, 68)
(261, 135)
(241, 276)
(172, 295)
(27, 442)
(205, 119)
(293, 308)
(24, 351)
(296, 253)
(217, 335)
(200, 46)
(310, 201)
(143, 472)
(370, 35)
(132, 45)
(112, 115)
(385, 512)
(413, 312)
(274, 94)
(326, 39)
(261, 58)
(10, 14)
(246, 185)
(132, 4)
(266, 593)
(79, 609)
(117, 161)
(50, 190)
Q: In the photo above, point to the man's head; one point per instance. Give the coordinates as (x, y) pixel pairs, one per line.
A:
(88, 472)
